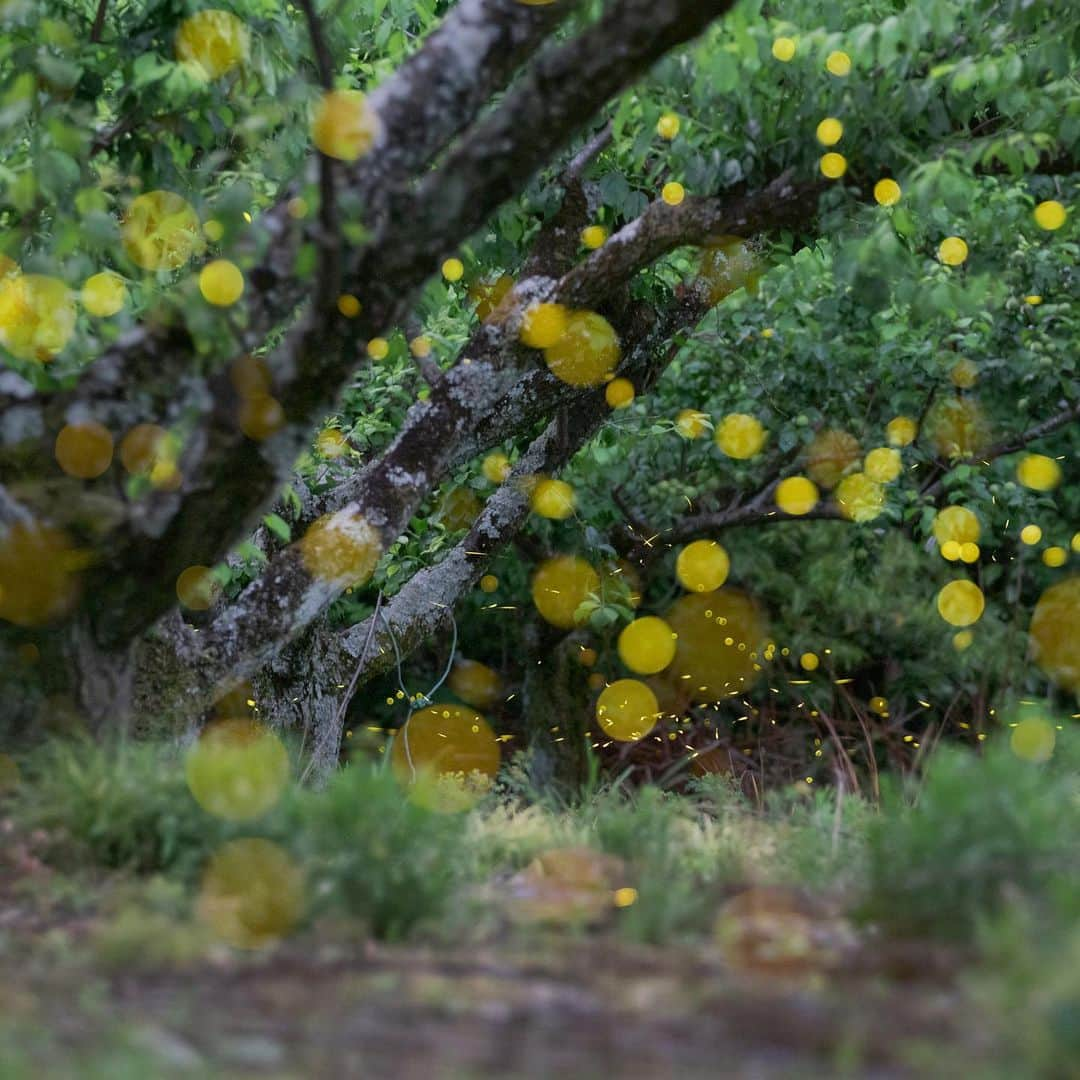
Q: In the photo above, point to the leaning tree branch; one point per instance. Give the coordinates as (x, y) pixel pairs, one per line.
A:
(225, 469)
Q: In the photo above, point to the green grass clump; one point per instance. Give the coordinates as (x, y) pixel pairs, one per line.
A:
(123, 805)
(982, 833)
(377, 856)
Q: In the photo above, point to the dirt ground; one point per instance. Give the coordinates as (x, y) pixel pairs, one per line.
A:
(578, 1005)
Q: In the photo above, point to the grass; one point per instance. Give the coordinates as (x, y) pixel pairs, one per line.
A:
(979, 853)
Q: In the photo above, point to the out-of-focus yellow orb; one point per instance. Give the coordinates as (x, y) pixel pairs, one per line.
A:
(830, 455)
(344, 126)
(340, 549)
(963, 374)
(956, 427)
(673, 193)
(833, 165)
(809, 661)
(1055, 557)
(544, 325)
(830, 131)
(667, 127)
(740, 436)
(952, 251)
(332, 443)
(1038, 472)
(495, 467)
(475, 683)
(838, 63)
(882, 465)
(593, 236)
(956, 523)
(969, 552)
(879, 705)
(783, 49)
(237, 769)
(489, 583)
(691, 423)
(797, 495)
(901, 431)
(728, 264)
(445, 757)
(84, 450)
(37, 574)
(962, 640)
(197, 589)
(103, 294)
(619, 393)
(161, 231)
(1054, 634)
(553, 499)
(859, 498)
(252, 893)
(627, 710)
(453, 269)
(887, 192)
(1033, 739)
(586, 353)
(37, 316)
(961, 603)
(560, 585)
(349, 305)
(1050, 215)
(1030, 535)
(717, 632)
(702, 566)
(221, 283)
(951, 550)
(211, 43)
(647, 645)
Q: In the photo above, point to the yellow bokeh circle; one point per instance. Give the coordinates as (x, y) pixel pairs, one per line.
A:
(627, 710)
(702, 566)
(647, 645)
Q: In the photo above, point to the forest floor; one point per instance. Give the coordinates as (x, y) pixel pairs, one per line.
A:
(89, 989)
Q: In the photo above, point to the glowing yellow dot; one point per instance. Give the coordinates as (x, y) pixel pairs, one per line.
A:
(627, 710)
(702, 566)
(901, 431)
(1031, 534)
(197, 589)
(103, 294)
(489, 583)
(221, 283)
(623, 898)
(1038, 472)
(495, 467)
(833, 165)
(544, 325)
(887, 192)
(348, 305)
(453, 269)
(809, 661)
(554, 499)
(1050, 215)
(882, 465)
(297, 208)
(838, 63)
(647, 645)
(420, 347)
(879, 705)
(961, 603)
(673, 193)
(344, 125)
(594, 236)
(952, 251)
(962, 640)
(797, 495)
(783, 49)
(740, 436)
(560, 585)
(1033, 300)
(619, 393)
(859, 498)
(378, 348)
(951, 550)
(691, 424)
(1033, 740)
(830, 131)
(211, 43)
(84, 450)
(969, 552)
(667, 127)
(1055, 556)
(586, 353)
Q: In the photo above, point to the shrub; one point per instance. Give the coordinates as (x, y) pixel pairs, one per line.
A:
(981, 833)
(376, 855)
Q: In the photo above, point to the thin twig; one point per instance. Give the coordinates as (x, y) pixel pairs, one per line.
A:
(99, 22)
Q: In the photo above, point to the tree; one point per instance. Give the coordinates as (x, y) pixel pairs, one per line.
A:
(496, 132)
